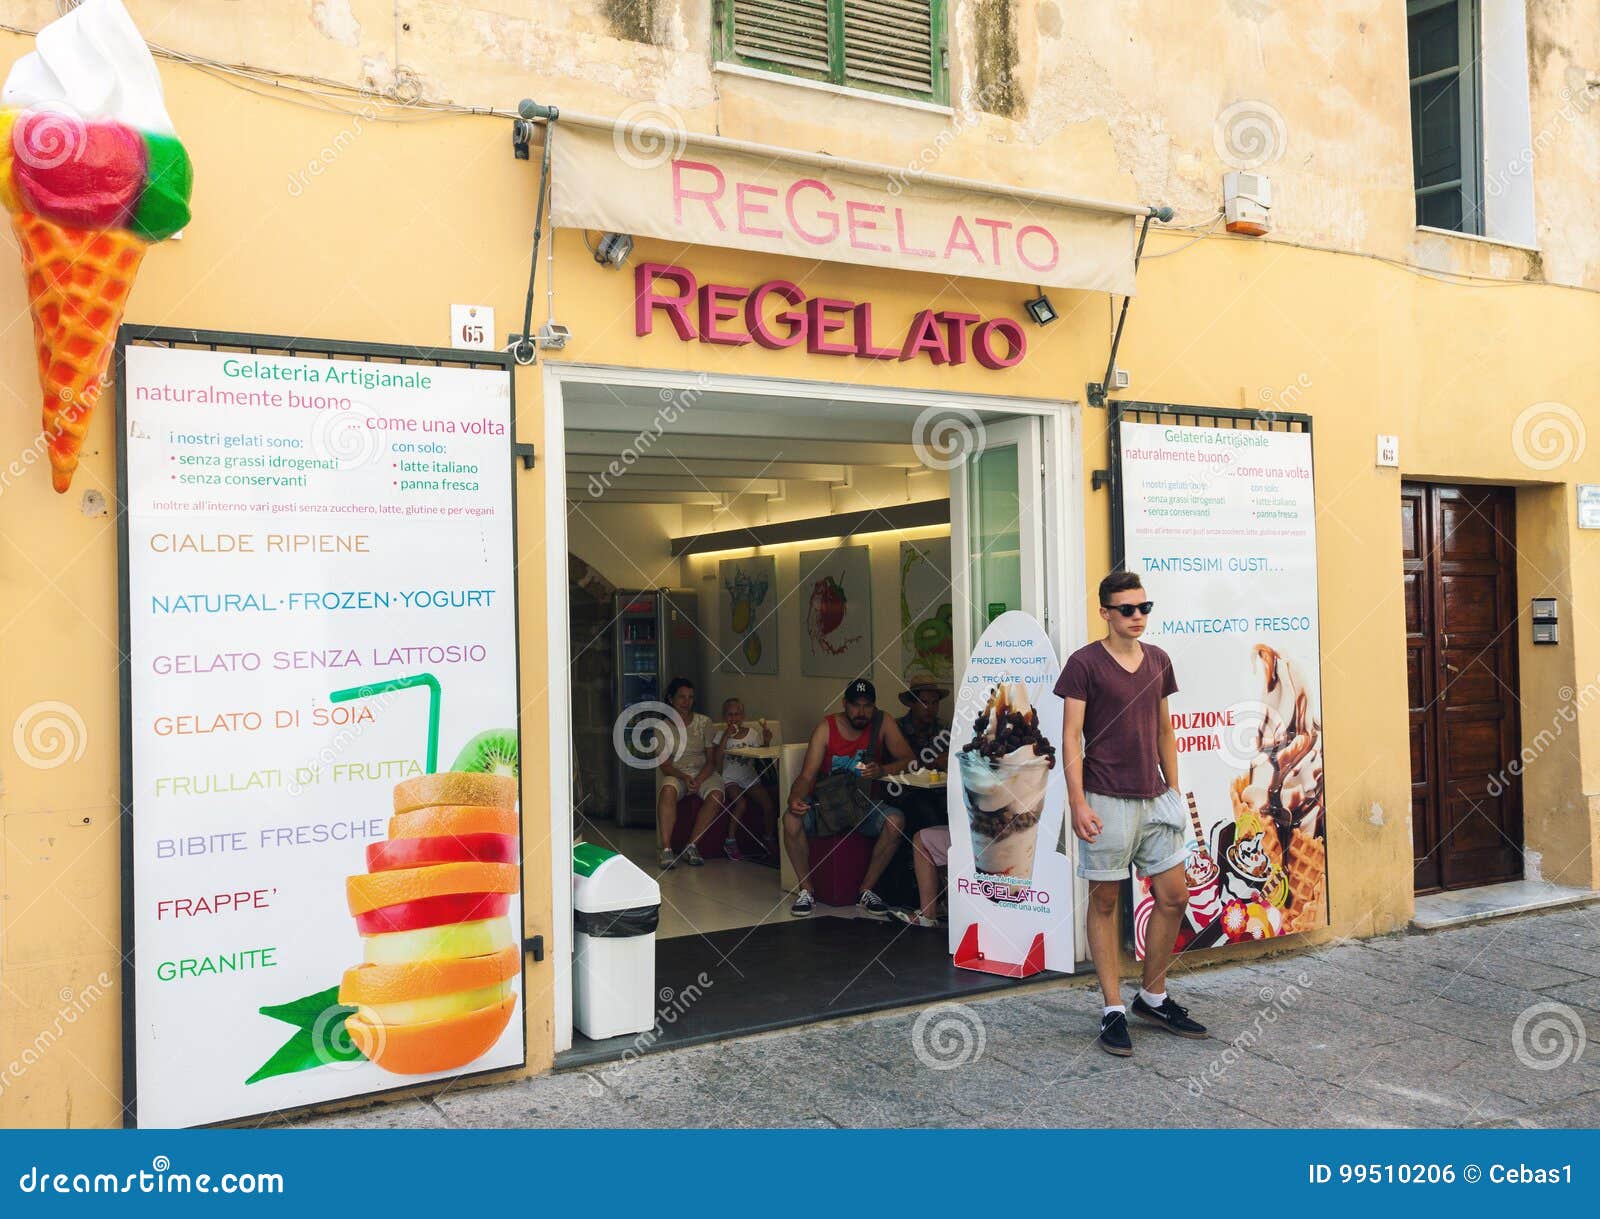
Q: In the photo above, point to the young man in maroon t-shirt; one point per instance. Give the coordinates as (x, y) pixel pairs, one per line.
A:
(1122, 787)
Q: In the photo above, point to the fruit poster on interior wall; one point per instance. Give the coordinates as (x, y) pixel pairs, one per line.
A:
(835, 595)
(1219, 523)
(926, 632)
(747, 615)
(322, 727)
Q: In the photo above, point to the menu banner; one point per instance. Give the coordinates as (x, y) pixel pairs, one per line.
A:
(1010, 889)
(322, 727)
(1220, 525)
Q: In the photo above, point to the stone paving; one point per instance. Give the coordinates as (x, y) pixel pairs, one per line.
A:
(1488, 1025)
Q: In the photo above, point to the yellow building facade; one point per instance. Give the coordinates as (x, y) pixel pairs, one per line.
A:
(356, 177)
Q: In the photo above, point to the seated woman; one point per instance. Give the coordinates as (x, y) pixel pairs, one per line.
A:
(693, 768)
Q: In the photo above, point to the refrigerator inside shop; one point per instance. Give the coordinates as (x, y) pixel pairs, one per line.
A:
(657, 638)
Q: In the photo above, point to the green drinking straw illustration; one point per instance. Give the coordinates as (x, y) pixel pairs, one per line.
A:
(319, 1019)
(404, 683)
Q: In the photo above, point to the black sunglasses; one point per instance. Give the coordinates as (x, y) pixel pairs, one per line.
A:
(1128, 611)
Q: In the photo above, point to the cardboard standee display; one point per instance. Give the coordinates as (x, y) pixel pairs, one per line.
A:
(1010, 890)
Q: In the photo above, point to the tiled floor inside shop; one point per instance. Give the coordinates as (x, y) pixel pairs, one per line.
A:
(722, 895)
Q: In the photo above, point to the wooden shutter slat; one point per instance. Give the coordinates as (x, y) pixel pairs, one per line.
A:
(793, 33)
(889, 42)
(888, 12)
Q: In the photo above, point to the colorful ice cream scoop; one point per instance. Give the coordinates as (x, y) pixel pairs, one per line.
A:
(91, 172)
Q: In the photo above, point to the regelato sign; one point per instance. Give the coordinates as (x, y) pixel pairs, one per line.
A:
(778, 314)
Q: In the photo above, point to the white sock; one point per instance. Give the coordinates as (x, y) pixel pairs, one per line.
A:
(1153, 999)
(1113, 1007)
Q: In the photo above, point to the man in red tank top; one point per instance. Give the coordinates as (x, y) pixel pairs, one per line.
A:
(839, 744)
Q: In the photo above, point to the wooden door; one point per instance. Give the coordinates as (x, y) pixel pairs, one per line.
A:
(1459, 563)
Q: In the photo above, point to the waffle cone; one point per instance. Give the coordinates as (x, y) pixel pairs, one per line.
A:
(78, 284)
(1307, 881)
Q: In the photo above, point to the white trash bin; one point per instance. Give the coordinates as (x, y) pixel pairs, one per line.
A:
(615, 909)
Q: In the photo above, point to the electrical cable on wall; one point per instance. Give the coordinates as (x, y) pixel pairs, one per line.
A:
(296, 89)
(524, 350)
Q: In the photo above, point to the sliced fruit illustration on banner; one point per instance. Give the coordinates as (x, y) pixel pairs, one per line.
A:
(440, 960)
(92, 174)
(494, 752)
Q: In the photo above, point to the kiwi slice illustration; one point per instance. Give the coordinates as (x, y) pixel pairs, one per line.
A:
(493, 752)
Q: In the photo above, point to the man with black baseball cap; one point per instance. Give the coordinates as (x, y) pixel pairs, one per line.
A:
(851, 743)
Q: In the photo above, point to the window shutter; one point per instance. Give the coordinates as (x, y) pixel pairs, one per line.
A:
(789, 33)
(889, 42)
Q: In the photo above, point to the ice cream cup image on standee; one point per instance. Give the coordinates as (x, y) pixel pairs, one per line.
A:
(1005, 772)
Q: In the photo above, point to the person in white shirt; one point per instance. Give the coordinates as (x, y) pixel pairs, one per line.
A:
(692, 769)
(741, 779)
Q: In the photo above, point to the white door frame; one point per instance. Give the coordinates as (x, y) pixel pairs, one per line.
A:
(1061, 427)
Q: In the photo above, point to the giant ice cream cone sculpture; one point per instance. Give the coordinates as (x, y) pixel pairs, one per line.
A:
(92, 173)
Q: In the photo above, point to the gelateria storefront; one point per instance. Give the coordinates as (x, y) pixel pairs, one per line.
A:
(777, 453)
(787, 422)
(822, 437)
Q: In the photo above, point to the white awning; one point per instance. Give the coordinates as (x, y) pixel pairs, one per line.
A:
(653, 181)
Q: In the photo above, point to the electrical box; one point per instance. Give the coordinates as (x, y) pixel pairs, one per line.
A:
(1247, 203)
(1545, 620)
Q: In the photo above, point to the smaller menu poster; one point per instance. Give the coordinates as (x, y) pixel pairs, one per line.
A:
(323, 729)
(1220, 524)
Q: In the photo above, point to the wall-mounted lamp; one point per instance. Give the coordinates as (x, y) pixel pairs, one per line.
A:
(1041, 310)
(613, 249)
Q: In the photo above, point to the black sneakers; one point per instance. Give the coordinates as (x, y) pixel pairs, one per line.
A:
(1171, 1016)
(1114, 1037)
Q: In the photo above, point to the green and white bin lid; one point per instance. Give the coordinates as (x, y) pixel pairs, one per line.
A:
(603, 880)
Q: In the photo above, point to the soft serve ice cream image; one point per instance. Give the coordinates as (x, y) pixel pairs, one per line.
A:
(1274, 851)
(1005, 771)
(92, 173)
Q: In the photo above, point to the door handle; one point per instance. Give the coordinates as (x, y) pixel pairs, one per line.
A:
(1451, 667)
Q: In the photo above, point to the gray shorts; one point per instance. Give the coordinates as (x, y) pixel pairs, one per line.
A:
(1150, 833)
